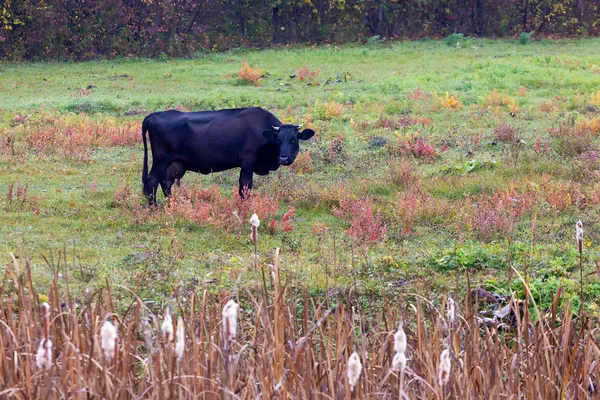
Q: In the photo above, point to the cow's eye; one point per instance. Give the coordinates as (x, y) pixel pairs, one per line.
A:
(293, 141)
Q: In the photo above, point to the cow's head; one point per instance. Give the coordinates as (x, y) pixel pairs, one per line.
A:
(286, 138)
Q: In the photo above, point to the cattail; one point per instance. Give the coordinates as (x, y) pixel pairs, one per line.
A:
(579, 235)
(255, 224)
(400, 340)
(43, 357)
(354, 370)
(179, 345)
(444, 373)
(451, 312)
(108, 335)
(399, 360)
(167, 326)
(230, 314)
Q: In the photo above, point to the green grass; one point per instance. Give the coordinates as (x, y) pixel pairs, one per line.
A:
(72, 204)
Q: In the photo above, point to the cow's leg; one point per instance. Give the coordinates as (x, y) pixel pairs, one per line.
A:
(166, 187)
(152, 185)
(155, 177)
(173, 174)
(245, 182)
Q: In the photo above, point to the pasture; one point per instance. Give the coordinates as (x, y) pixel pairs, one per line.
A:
(458, 151)
(436, 168)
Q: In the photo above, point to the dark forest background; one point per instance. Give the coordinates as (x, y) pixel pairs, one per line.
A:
(85, 29)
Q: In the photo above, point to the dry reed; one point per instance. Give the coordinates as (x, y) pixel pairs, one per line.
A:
(285, 345)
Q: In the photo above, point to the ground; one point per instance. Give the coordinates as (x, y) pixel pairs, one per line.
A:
(431, 162)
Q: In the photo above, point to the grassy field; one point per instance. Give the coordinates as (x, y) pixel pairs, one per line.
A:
(427, 231)
(430, 161)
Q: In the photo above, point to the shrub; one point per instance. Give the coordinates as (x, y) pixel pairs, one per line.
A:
(328, 110)
(210, 206)
(495, 99)
(418, 148)
(559, 195)
(547, 107)
(72, 137)
(399, 122)
(571, 139)
(417, 94)
(448, 101)
(18, 199)
(336, 152)
(417, 205)
(303, 163)
(454, 39)
(403, 173)
(375, 41)
(286, 222)
(366, 226)
(492, 216)
(505, 132)
(305, 74)
(595, 98)
(250, 75)
(525, 38)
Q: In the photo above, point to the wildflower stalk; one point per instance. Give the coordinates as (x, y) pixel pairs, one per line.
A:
(399, 360)
(180, 344)
(43, 358)
(230, 316)
(579, 237)
(354, 370)
(254, 237)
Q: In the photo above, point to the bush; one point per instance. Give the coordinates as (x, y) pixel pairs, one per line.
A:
(525, 38)
(573, 139)
(505, 132)
(366, 226)
(305, 74)
(416, 147)
(249, 75)
(455, 39)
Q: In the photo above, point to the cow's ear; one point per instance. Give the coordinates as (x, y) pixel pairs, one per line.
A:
(306, 134)
(270, 135)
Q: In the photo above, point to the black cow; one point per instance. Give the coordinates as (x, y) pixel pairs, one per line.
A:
(211, 141)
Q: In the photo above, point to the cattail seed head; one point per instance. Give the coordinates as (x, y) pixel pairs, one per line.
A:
(255, 224)
(180, 344)
(399, 362)
(451, 311)
(167, 326)
(230, 314)
(400, 340)
(255, 221)
(108, 336)
(46, 319)
(579, 235)
(444, 372)
(43, 357)
(354, 369)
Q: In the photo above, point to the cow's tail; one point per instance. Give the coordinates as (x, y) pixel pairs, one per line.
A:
(147, 190)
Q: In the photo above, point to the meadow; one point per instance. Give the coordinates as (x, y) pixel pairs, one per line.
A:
(438, 167)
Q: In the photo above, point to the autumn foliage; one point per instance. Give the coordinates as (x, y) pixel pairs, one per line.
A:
(72, 29)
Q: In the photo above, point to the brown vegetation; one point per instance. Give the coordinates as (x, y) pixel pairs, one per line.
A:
(280, 342)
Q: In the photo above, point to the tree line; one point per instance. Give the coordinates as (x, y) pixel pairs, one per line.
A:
(85, 29)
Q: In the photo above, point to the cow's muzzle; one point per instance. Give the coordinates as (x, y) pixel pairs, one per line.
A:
(285, 160)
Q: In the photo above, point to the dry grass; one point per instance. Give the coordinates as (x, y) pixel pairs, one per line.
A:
(72, 138)
(250, 75)
(288, 345)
